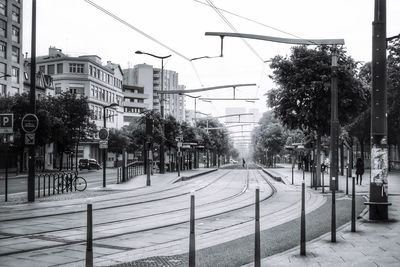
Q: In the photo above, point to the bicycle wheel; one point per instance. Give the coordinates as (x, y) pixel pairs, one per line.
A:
(80, 183)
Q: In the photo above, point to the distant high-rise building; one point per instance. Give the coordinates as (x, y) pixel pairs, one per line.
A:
(150, 79)
(134, 102)
(11, 58)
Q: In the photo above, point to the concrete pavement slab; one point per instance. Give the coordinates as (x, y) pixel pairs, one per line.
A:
(374, 243)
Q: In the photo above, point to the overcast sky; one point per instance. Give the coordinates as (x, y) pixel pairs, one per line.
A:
(78, 28)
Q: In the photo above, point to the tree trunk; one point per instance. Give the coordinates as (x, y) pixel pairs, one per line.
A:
(351, 158)
(318, 158)
(208, 158)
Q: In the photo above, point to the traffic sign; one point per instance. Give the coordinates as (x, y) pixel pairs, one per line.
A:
(103, 134)
(29, 139)
(103, 144)
(6, 122)
(30, 123)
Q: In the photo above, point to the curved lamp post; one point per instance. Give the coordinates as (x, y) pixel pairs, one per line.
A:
(162, 160)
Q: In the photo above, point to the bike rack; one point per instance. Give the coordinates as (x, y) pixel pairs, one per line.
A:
(54, 181)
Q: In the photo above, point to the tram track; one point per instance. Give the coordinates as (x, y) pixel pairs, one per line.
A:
(255, 176)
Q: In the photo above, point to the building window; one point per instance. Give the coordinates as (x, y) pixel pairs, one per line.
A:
(75, 68)
(3, 70)
(3, 49)
(57, 88)
(59, 68)
(15, 14)
(3, 28)
(90, 70)
(3, 7)
(50, 69)
(42, 69)
(77, 90)
(15, 54)
(15, 75)
(15, 34)
(3, 90)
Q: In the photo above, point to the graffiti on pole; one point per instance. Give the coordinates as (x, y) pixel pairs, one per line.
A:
(379, 168)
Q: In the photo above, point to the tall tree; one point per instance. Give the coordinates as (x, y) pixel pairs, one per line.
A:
(302, 96)
(117, 142)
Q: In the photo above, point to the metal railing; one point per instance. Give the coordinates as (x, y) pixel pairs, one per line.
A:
(132, 169)
(59, 183)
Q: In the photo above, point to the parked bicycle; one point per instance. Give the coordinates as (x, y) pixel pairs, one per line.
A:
(69, 182)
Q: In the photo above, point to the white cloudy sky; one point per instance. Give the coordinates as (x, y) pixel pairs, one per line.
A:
(78, 28)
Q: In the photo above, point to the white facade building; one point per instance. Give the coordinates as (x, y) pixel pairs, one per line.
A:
(87, 76)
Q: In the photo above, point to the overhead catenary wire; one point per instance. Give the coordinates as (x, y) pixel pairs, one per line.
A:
(233, 29)
(112, 15)
(254, 21)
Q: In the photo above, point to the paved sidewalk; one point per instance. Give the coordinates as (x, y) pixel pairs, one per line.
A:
(373, 243)
(136, 182)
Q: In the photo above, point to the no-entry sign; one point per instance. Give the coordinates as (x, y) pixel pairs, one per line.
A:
(30, 123)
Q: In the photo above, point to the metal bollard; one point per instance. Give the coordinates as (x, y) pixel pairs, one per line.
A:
(89, 236)
(303, 222)
(192, 240)
(292, 174)
(353, 206)
(333, 221)
(257, 246)
(38, 188)
(347, 180)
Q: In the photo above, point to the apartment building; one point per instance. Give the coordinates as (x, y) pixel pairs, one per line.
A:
(149, 78)
(11, 59)
(134, 102)
(87, 76)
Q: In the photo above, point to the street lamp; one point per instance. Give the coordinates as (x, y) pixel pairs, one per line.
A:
(195, 106)
(105, 149)
(162, 161)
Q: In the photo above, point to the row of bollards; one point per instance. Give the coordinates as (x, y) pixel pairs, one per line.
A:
(257, 236)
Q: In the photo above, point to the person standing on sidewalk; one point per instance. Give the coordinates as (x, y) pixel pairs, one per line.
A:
(359, 169)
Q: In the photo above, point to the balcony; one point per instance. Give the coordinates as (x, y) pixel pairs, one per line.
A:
(135, 95)
(134, 104)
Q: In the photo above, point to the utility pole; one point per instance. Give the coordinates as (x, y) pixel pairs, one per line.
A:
(334, 140)
(32, 103)
(379, 148)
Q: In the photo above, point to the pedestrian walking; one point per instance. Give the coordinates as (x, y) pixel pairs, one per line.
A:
(359, 169)
(244, 163)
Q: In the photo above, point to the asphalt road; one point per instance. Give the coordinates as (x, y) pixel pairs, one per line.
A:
(150, 224)
(274, 240)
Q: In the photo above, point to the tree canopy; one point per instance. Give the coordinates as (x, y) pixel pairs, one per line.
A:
(302, 96)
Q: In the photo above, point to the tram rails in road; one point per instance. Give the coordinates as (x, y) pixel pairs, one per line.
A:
(153, 195)
(111, 238)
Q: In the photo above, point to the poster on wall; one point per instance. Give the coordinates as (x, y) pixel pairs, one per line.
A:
(379, 167)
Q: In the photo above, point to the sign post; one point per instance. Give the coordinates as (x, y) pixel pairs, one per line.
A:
(29, 124)
(103, 144)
